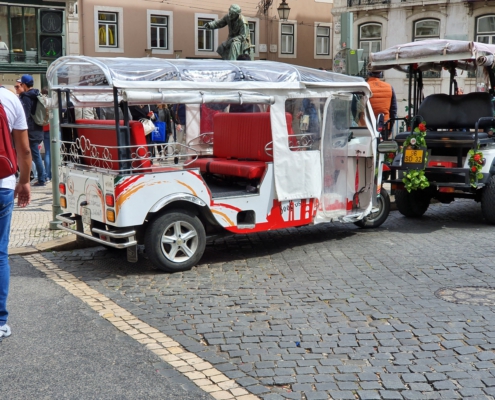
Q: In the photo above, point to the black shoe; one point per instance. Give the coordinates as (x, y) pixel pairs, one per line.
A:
(39, 184)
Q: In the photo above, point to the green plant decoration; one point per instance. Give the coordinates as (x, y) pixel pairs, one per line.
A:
(476, 162)
(415, 179)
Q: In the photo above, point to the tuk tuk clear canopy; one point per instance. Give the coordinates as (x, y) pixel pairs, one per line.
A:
(75, 71)
(149, 80)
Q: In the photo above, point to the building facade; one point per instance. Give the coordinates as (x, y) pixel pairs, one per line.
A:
(379, 24)
(174, 29)
(33, 33)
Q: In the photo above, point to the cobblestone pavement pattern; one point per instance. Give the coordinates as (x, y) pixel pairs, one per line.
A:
(30, 225)
(329, 311)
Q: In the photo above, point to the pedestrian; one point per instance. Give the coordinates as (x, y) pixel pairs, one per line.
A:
(383, 100)
(179, 111)
(166, 115)
(46, 139)
(9, 190)
(18, 87)
(29, 100)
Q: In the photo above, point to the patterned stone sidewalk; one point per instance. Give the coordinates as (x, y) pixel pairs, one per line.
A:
(31, 225)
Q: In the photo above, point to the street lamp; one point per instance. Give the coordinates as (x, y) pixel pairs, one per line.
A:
(283, 11)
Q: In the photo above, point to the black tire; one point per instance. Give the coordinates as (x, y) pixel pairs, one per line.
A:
(176, 254)
(374, 220)
(414, 204)
(488, 201)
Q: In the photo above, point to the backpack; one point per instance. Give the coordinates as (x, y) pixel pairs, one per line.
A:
(40, 116)
(8, 157)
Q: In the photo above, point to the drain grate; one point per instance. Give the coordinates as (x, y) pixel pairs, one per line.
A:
(473, 295)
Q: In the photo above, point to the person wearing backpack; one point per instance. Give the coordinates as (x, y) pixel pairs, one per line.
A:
(34, 110)
(13, 132)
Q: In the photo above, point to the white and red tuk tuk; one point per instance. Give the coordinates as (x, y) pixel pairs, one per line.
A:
(266, 146)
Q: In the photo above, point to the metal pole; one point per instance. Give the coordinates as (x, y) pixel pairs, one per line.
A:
(55, 162)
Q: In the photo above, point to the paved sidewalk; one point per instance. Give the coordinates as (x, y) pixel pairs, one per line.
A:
(31, 225)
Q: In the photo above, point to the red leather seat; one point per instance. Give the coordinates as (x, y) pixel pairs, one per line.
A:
(108, 139)
(244, 169)
(239, 145)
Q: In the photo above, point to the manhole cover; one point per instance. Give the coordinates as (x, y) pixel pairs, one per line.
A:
(474, 295)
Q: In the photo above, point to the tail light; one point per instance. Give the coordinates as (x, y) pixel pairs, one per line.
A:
(110, 216)
(446, 189)
(109, 200)
(61, 188)
(63, 202)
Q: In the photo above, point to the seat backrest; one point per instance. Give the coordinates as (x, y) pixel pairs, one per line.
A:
(243, 135)
(441, 111)
(108, 138)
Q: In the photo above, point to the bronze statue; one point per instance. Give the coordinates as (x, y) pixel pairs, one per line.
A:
(239, 41)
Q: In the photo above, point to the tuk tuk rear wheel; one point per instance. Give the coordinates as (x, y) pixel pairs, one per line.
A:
(374, 220)
(488, 201)
(175, 241)
(414, 204)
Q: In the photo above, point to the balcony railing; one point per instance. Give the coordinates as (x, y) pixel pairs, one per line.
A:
(353, 3)
(29, 56)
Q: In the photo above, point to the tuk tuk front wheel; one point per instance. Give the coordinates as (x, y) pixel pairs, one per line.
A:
(374, 220)
(488, 201)
(175, 241)
(414, 204)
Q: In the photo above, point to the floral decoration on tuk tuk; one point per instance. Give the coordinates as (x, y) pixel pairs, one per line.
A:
(389, 158)
(415, 179)
(476, 162)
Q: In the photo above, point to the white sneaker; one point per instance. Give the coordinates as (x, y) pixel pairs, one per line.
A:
(5, 331)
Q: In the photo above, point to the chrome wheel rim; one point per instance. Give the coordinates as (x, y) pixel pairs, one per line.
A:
(179, 241)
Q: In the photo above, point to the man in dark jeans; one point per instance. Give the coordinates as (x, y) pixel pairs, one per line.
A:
(29, 100)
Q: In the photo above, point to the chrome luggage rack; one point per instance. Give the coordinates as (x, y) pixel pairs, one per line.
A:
(84, 154)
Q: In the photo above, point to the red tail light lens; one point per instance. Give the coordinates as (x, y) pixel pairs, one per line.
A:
(109, 200)
(61, 188)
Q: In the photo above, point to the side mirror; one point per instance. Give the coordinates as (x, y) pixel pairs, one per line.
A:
(388, 146)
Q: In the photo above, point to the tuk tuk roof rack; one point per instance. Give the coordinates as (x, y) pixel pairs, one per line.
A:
(430, 54)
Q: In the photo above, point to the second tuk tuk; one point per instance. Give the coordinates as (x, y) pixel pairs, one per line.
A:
(266, 146)
(448, 148)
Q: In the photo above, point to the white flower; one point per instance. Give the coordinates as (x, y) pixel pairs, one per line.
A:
(413, 141)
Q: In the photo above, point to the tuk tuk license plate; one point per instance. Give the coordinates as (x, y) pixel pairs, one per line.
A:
(86, 216)
(413, 156)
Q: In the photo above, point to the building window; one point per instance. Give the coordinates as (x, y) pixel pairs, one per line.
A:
(485, 29)
(370, 38)
(322, 40)
(19, 28)
(160, 31)
(109, 34)
(205, 36)
(287, 39)
(426, 29)
(254, 33)
(205, 41)
(108, 29)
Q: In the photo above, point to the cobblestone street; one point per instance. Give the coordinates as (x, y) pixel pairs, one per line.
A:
(330, 311)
